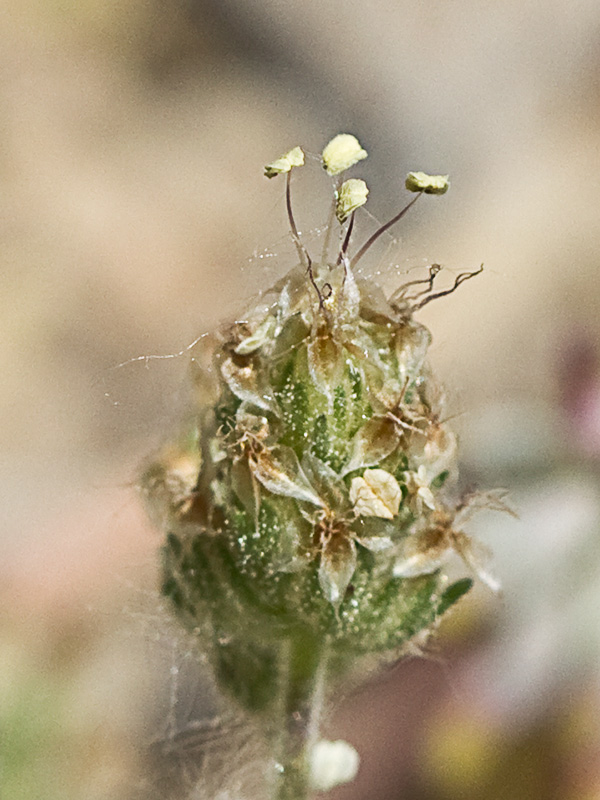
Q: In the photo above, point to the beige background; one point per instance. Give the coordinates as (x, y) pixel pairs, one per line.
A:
(132, 138)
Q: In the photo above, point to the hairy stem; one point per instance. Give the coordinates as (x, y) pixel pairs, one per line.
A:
(304, 669)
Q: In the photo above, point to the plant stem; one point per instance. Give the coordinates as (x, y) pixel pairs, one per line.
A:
(304, 670)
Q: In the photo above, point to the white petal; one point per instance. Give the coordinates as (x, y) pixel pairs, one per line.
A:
(412, 341)
(245, 384)
(326, 362)
(283, 475)
(420, 564)
(375, 440)
(376, 494)
(427, 497)
(477, 557)
(375, 543)
(256, 340)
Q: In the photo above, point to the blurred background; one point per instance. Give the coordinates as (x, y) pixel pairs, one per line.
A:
(134, 217)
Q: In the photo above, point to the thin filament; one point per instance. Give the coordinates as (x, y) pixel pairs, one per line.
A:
(302, 251)
(329, 228)
(344, 247)
(382, 230)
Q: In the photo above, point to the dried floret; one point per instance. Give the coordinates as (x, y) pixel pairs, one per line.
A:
(429, 549)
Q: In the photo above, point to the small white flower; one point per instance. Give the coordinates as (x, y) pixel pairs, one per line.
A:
(376, 494)
(429, 549)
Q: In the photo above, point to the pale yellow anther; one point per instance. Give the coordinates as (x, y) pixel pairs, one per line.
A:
(429, 184)
(342, 152)
(376, 494)
(295, 158)
(352, 195)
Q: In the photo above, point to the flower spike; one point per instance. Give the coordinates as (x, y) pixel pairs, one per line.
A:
(309, 505)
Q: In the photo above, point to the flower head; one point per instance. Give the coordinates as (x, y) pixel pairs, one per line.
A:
(314, 503)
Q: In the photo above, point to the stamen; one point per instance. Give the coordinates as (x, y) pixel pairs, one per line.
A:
(329, 228)
(402, 423)
(311, 277)
(302, 251)
(344, 247)
(382, 230)
(403, 392)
